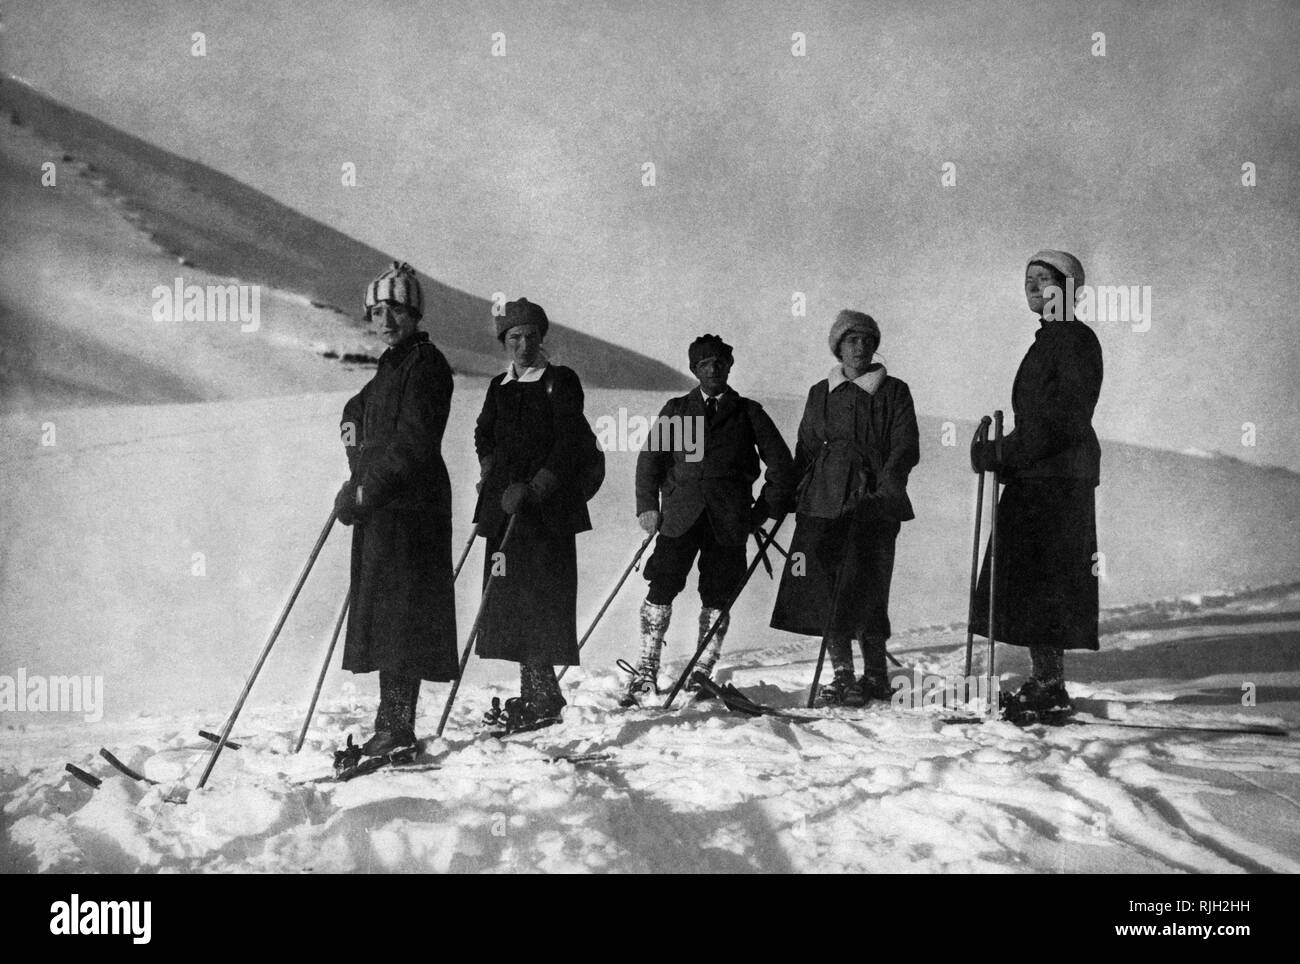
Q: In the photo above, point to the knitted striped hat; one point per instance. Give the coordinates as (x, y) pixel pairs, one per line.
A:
(399, 285)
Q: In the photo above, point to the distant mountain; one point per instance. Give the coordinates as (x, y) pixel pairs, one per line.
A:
(213, 222)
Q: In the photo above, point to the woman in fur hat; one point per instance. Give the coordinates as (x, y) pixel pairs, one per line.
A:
(1050, 464)
(858, 441)
(528, 439)
(402, 620)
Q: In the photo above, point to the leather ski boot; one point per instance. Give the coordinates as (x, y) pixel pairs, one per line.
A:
(395, 719)
(709, 658)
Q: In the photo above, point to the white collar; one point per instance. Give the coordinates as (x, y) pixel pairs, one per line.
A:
(718, 397)
(531, 374)
(869, 381)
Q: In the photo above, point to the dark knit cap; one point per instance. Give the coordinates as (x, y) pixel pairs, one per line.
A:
(522, 312)
(708, 346)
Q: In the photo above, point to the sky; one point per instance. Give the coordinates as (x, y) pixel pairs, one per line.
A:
(774, 173)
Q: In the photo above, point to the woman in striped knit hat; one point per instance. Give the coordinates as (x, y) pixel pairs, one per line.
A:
(402, 620)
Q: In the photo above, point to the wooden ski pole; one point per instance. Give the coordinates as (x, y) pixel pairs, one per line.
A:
(708, 637)
(465, 554)
(610, 599)
(347, 602)
(817, 674)
(324, 668)
(975, 553)
(993, 559)
(473, 633)
(836, 592)
(266, 650)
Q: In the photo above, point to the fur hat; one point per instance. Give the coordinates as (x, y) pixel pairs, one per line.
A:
(708, 346)
(847, 321)
(522, 312)
(1062, 261)
(399, 285)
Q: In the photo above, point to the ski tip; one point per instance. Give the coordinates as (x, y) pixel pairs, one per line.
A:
(88, 779)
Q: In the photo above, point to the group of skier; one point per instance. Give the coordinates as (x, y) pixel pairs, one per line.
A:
(846, 484)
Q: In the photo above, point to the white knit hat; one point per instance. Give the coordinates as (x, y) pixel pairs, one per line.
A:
(399, 285)
(1062, 261)
(848, 320)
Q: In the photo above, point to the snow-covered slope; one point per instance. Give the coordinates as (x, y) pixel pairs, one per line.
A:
(83, 254)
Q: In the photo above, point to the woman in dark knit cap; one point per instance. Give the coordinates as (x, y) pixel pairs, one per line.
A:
(528, 440)
(858, 441)
(1047, 530)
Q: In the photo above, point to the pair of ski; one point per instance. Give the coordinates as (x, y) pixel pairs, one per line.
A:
(738, 702)
(350, 764)
(1066, 718)
(95, 782)
(403, 760)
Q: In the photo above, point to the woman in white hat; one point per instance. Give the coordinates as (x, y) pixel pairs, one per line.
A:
(858, 442)
(1047, 530)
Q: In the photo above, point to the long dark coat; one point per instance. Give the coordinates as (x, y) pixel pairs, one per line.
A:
(1047, 529)
(721, 482)
(524, 430)
(855, 452)
(403, 614)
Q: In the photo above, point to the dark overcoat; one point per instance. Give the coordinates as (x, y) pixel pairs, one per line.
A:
(1047, 529)
(720, 478)
(527, 428)
(855, 452)
(403, 613)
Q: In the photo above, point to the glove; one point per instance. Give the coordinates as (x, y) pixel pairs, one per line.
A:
(649, 521)
(863, 493)
(484, 467)
(887, 488)
(981, 450)
(345, 503)
(983, 457)
(544, 485)
(758, 514)
(516, 496)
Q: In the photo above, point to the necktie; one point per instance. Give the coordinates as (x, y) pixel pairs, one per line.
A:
(710, 408)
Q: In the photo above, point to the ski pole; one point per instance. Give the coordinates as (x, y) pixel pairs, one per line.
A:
(324, 668)
(983, 433)
(266, 650)
(817, 674)
(473, 633)
(347, 602)
(993, 552)
(617, 586)
(708, 637)
(465, 555)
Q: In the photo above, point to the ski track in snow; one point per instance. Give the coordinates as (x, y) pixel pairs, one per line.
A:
(693, 789)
